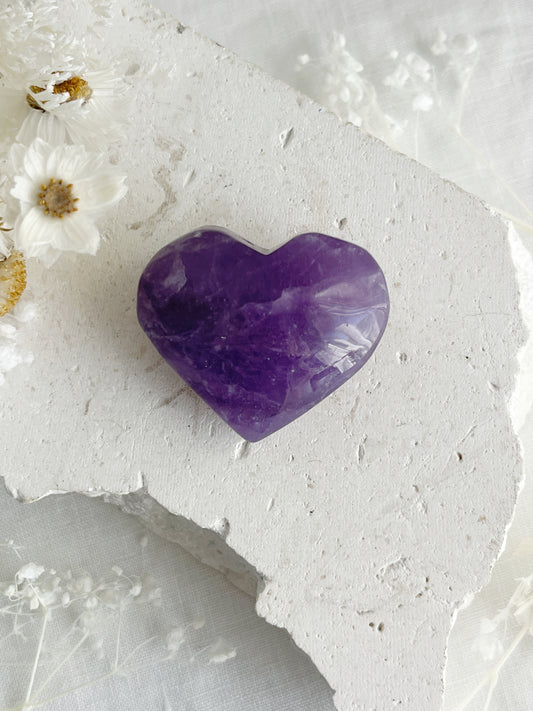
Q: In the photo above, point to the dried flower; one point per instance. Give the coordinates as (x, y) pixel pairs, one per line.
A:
(489, 642)
(5, 244)
(60, 190)
(414, 82)
(175, 639)
(54, 617)
(348, 93)
(26, 23)
(12, 281)
(51, 87)
(220, 651)
(12, 353)
(76, 106)
(521, 603)
(29, 572)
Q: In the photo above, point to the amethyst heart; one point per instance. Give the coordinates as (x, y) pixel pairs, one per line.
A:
(263, 337)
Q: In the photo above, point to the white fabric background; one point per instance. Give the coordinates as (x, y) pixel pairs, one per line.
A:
(268, 673)
(73, 532)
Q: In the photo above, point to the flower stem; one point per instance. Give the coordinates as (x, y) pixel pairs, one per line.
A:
(64, 661)
(505, 185)
(37, 657)
(117, 646)
(492, 676)
(84, 685)
(517, 221)
(134, 651)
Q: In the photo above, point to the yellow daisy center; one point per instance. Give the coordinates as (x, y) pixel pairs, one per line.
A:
(76, 87)
(12, 281)
(57, 198)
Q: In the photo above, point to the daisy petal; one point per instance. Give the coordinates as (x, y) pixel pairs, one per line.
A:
(48, 256)
(13, 108)
(101, 190)
(16, 157)
(76, 233)
(29, 128)
(51, 130)
(24, 189)
(73, 162)
(35, 160)
(31, 233)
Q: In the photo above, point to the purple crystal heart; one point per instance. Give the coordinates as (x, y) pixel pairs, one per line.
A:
(263, 337)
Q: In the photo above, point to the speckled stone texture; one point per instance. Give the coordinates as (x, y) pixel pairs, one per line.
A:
(263, 337)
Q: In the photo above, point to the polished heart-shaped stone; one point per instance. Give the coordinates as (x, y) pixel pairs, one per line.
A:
(262, 337)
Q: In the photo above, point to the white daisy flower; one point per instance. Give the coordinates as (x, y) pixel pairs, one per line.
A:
(61, 189)
(72, 105)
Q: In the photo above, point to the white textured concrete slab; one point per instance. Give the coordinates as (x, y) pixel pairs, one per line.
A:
(370, 518)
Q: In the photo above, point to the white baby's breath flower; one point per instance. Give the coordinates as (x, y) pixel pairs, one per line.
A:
(136, 590)
(398, 78)
(423, 102)
(151, 591)
(61, 189)
(174, 640)
(90, 622)
(439, 45)
(80, 586)
(220, 651)
(523, 593)
(30, 571)
(419, 66)
(488, 643)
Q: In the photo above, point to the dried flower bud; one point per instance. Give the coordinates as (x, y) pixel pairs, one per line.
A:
(12, 281)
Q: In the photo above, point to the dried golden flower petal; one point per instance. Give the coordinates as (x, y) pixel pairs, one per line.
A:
(12, 281)
(75, 87)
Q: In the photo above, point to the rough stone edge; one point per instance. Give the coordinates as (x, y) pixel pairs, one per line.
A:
(523, 276)
(208, 545)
